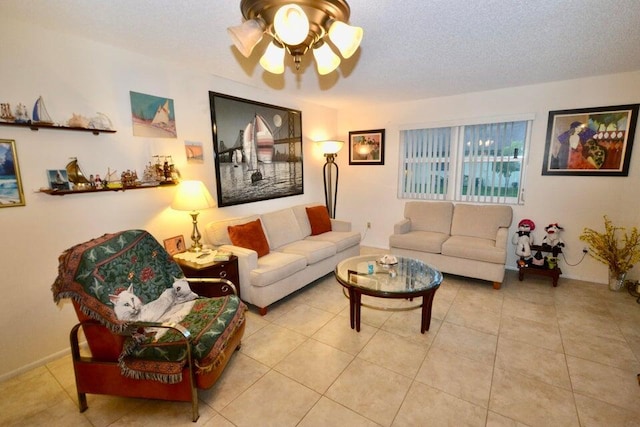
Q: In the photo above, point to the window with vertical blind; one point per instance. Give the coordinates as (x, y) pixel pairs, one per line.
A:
(481, 163)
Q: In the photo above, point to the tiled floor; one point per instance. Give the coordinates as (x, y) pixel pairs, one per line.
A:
(528, 354)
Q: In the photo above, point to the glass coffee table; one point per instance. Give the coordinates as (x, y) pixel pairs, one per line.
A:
(409, 278)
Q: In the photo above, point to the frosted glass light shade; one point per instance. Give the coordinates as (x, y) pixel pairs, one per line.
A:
(326, 60)
(345, 37)
(246, 36)
(291, 24)
(192, 196)
(330, 147)
(273, 59)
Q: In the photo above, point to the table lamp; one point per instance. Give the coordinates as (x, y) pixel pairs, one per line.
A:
(193, 196)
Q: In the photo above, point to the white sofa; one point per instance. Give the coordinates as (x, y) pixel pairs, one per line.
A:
(463, 239)
(295, 258)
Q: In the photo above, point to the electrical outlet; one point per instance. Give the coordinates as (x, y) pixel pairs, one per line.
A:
(368, 225)
(585, 250)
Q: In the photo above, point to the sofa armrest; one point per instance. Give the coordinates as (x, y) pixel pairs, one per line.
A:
(247, 262)
(402, 227)
(502, 237)
(340, 225)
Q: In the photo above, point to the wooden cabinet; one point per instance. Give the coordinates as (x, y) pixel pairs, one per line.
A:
(221, 269)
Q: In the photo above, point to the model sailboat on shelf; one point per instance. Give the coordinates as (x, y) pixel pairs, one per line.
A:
(76, 176)
(258, 145)
(40, 113)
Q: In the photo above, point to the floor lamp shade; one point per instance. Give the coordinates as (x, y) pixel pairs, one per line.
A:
(193, 196)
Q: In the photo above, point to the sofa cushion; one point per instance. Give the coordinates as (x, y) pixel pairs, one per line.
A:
(480, 221)
(276, 266)
(313, 251)
(249, 236)
(218, 233)
(429, 216)
(281, 227)
(474, 248)
(423, 241)
(342, 239)
(319, 220)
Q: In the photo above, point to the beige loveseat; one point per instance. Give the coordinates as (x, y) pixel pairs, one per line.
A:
(463, 239)
(295, 258)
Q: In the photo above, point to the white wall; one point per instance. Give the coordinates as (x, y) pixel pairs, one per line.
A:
(369, 193)
(80, 76)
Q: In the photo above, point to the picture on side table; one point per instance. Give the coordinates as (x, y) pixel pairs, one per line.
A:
(590, 141)
(258, 150)
(175, 245)
(366, 147)
(11, 193)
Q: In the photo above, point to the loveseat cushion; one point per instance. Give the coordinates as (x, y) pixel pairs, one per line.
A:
(342, 239)
(276, 266)
(474, 248)
(281, 227)
(250, 236)
(480, 221)
(423, 241)
(319, 220)
(312, 250)
(218, 233)
(429, 216)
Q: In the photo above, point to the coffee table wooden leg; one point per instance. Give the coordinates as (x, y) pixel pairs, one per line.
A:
(352, 307)
(358, 306)
(427, 304)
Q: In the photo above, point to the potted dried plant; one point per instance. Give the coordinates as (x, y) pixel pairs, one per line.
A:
(617, 253)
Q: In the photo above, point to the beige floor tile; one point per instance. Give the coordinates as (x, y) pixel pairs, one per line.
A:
(63, 414)
(459, 376)
(612, 385)
(255, 322)
(407, 325)
(327, 413)
(474, 316)
(326, 295)
(530, 401)
(314, 364)
(337, 333)
(304, 319)
(539, 334)
(426, 406)
(152, 413)
(370, 390)
(240, 374)
(105, 410)
(272, 344)
(274, 400)
(593, 413)
(480, 295)
(539, 293)
(608, 351)
(541, 313)
(497, 420)
(394, 353)
(588, 323)
(466, 342)
(533, 362)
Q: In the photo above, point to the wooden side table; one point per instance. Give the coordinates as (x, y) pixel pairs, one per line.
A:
(221, 269)
(554, 273)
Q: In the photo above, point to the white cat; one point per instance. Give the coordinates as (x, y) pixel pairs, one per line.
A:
(183, 291)
(128, 306)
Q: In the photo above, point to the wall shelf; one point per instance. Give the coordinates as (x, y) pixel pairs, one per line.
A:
(103, 190)
(37, 126)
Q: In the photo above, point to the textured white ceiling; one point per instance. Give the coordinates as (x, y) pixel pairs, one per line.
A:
(412, 49)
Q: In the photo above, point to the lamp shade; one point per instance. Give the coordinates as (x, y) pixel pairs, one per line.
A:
(192, 196)
(330, 147)
(246, 36)
(345, 37)
(291, 24)
(273, 59)
(326, 60)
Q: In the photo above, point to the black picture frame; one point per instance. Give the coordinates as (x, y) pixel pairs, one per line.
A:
(590, 141)
(272, 172)
(366, 147)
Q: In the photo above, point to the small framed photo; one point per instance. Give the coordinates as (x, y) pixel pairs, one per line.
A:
(175, 245)
(366, 147)
(58, 179)
(590, 141)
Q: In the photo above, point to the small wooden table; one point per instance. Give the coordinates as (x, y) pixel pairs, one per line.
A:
(554, 273)
(408, 279)
(216, 269)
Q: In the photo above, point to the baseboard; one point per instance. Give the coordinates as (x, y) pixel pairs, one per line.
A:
(33, 365)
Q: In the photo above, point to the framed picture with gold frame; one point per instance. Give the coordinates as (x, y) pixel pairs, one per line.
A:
(11, 193)
(175, 245)
(366, 147)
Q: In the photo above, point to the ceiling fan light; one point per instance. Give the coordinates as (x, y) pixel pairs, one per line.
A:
(345, 37)
(246, 36)
(291, 24)
(326, 60)
(273, 59)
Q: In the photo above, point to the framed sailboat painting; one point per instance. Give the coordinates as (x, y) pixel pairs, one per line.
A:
(258, 150)
(11, 193)
(152, 116)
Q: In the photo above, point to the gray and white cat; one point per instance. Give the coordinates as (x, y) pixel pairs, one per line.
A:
(128, 306)
(183, 291)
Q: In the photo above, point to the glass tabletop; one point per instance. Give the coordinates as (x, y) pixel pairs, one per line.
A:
(407, 276)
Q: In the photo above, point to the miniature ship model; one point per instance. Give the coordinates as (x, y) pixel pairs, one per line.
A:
(76, 176)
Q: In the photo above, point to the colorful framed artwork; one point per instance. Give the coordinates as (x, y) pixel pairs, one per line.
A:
(11, 193)
(58, 179)
(258, 150)
(175, 245)
(152, 116)
(366, 147)
(590, 141)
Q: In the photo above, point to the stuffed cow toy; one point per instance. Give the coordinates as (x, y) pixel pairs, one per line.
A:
(552, 241)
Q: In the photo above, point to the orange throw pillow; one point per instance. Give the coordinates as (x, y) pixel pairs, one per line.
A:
(319, 220)
(249, 236)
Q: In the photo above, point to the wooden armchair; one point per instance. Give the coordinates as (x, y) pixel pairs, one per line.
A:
(128, 358)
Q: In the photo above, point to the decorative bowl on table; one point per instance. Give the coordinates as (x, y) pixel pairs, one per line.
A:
(387, 261)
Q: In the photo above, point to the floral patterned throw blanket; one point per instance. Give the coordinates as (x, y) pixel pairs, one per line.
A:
(90, 272)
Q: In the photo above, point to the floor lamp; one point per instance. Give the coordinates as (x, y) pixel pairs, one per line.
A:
(193, 196)
(330, 173)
